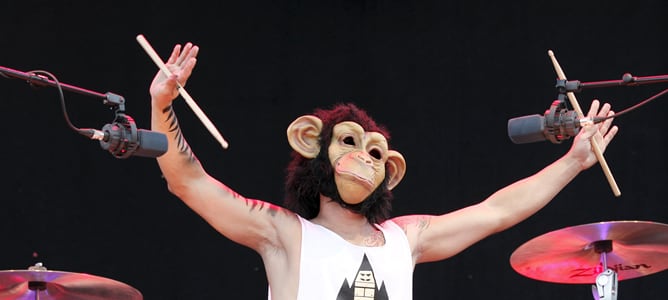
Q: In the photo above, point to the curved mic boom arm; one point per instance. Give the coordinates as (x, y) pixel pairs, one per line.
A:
(121, 138)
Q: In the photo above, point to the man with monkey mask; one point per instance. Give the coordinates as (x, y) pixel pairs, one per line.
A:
(334, 237)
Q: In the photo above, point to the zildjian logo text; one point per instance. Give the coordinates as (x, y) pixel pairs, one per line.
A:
(587, 272)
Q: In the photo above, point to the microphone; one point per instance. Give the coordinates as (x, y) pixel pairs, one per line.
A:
(556, 125)
(123, 139)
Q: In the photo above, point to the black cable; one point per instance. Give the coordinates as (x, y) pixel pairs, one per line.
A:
(62, 98)
(641, 103)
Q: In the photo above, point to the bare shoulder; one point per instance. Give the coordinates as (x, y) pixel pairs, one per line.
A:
(287, 218)
(270, 228)
(413, 223)
(281, 256)
(288, 228)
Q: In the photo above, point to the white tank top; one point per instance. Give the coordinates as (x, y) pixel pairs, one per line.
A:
(331, 268)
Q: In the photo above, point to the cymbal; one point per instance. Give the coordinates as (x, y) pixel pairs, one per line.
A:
(572, 254)
(57, 285)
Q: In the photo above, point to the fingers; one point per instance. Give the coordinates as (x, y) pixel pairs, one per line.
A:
(610, 134)
(188, 62)
(184, 54)
(593, 109)
(603, 114)
(187, 69)
(606, 129)
(605, 125)
(175, 54)
(181, 62)
(181, 54)
(605, 109)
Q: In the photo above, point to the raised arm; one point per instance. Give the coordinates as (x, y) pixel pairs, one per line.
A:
(439, 237)
(246, 221)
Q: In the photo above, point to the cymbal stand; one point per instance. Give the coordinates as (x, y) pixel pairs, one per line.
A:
(37, 286)
(606, 281)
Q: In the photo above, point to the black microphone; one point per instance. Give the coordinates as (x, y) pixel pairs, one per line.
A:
(122, 139)
(557, 124)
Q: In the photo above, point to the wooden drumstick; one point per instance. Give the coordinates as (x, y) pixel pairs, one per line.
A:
(578, 110)
(189, 100)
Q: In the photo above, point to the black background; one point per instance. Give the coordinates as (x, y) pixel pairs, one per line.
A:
(444, 76)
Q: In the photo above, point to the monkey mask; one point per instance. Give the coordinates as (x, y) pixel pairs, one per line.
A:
(360, 160)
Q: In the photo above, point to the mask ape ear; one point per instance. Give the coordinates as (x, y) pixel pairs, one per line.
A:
(303, 135)
(396, 168)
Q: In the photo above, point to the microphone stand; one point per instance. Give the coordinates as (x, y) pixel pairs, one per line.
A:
(564, 86)
(110, 99)
(121, 138)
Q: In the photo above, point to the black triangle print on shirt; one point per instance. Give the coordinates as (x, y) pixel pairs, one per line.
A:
(364, 287)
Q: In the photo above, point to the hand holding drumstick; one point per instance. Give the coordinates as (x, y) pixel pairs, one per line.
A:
(594, 142)
(171, 79)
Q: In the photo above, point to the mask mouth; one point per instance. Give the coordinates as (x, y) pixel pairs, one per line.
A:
(367, 182)
(355, 171)
(356, 208)
(364, 206)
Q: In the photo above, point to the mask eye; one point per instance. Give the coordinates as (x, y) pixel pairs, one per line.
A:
(349, 140)
(375, 153)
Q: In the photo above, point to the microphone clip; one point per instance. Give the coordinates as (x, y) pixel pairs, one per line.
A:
(560, 123)
(121, 136)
